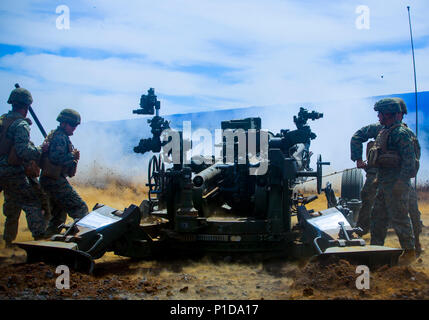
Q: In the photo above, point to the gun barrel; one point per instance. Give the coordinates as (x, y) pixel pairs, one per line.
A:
(206, 175)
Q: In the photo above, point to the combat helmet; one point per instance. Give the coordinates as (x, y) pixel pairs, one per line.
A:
(389, 105)
(20, 96)
(70, 116)
(402, 105)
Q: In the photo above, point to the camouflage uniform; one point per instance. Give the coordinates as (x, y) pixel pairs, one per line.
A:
(415, 212)
(391, 202)
(43, 198)
(413, 207)
(18, 192)
(63, 197)
(369, 189)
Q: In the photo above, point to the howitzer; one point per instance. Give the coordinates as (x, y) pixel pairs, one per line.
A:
(244, 202)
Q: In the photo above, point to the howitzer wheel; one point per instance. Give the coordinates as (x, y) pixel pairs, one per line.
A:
(155, 176)
(351, 184)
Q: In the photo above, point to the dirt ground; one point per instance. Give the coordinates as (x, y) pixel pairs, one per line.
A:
(208, 277)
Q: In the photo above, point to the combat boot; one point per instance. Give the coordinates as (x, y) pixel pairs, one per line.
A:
(10, 245)
(42, 236)
(48, 234)
(407, 257)
(361, 231)
(419, 249)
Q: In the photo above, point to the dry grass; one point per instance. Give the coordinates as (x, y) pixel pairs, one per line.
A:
(114, 195)
(205, 279)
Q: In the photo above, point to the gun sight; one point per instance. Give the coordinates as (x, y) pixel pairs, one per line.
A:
(148, 103)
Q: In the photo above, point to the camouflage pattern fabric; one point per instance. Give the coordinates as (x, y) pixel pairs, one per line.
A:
(363, 135)
(19, 133)
(369, 189)
(391, 202)
(21, 96)
(413, 207)
(60, 148)
(400, 141)
(415, 215)
(367, 195)
(64, 199)
(19, 194)
(391, 205)
(43, 198)
(69, 116)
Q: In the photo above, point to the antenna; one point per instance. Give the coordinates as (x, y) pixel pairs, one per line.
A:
(415, 83)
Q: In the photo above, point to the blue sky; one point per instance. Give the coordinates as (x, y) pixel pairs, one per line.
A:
(204, 55)
(207, 55)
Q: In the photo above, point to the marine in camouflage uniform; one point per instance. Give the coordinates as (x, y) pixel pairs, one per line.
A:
(16, 148)
(369, 189)
(59, 162)
(413, 207)
(391, 202)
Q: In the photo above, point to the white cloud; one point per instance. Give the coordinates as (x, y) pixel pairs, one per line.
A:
(275, 45)
(275, 52)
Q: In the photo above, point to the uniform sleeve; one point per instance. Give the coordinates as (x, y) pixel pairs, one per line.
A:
(361, 136)
(25, 149)
(404, 141)
(59, 151)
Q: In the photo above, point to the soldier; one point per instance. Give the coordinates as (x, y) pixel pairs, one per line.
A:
(413, 207)
(370, 187)
(59, 162)
(15, 150)
(394, 155)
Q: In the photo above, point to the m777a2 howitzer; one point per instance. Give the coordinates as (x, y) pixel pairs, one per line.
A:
(240, 202)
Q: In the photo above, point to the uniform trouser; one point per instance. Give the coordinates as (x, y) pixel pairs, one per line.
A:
(367, 195)
(415, 214)
(391, 206)
(64, 199)
(43, 197)
(19, 194)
